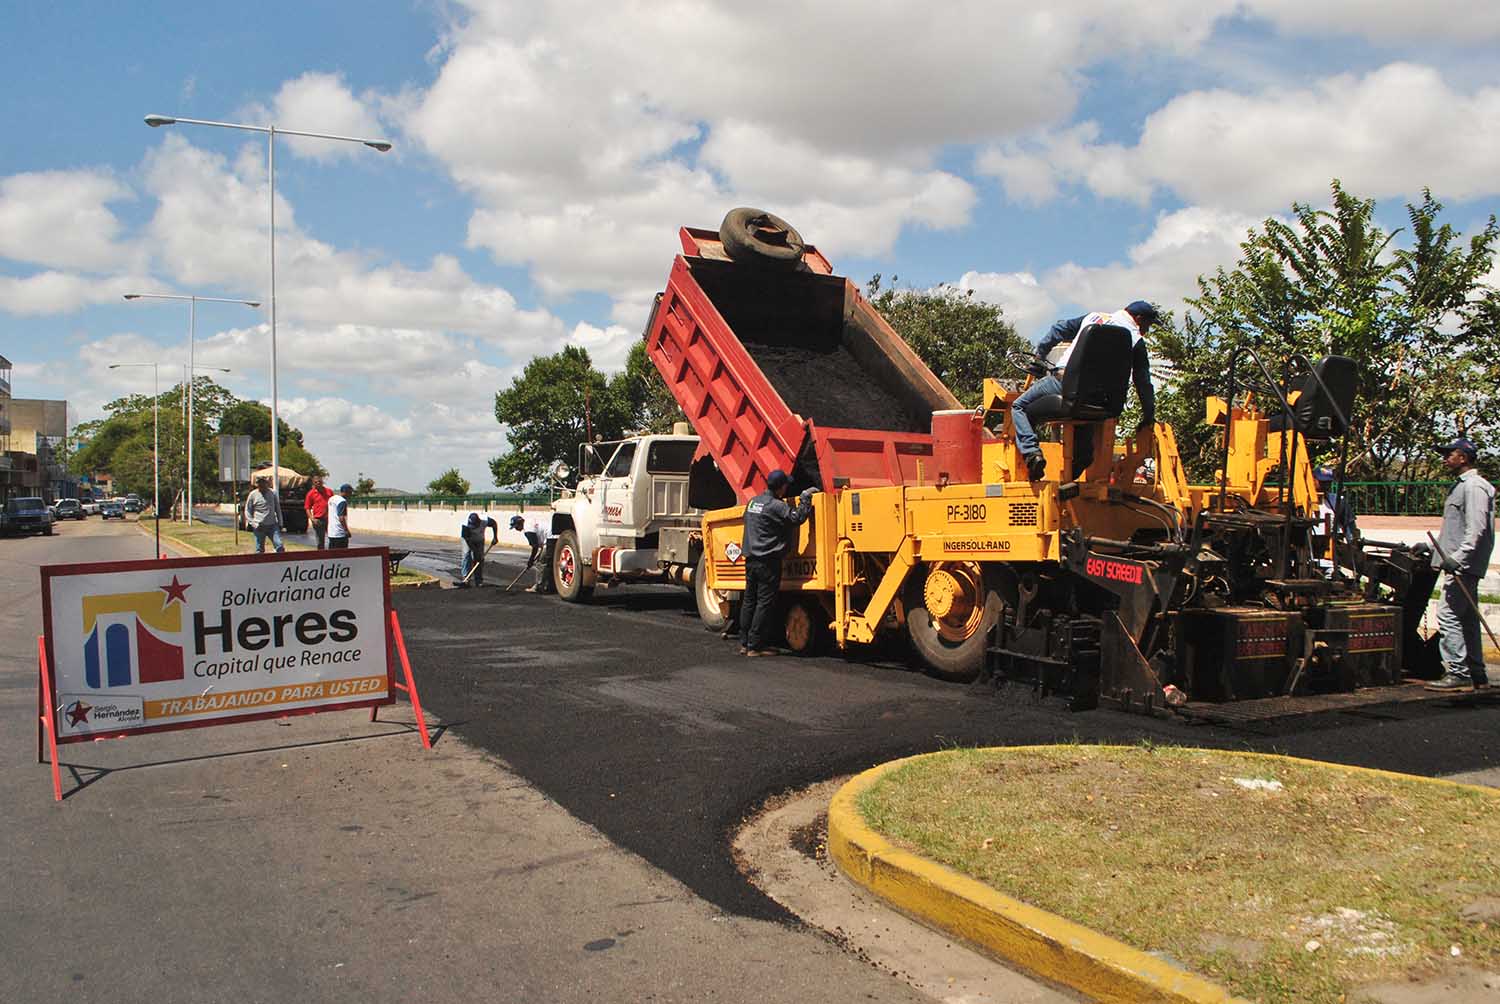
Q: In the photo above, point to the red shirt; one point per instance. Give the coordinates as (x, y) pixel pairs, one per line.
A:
(317, 503)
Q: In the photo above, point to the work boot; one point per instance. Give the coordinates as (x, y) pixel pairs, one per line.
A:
(1036, 466)
(1452, 683)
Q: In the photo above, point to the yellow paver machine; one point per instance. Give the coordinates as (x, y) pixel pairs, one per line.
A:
(1113, 579)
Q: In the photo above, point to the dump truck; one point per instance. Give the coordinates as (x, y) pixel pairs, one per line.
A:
(1114, 580)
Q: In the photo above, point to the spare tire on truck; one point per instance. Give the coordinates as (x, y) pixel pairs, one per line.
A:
(755, 236)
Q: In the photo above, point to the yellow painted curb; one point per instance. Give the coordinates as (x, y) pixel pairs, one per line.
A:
(1053, 947)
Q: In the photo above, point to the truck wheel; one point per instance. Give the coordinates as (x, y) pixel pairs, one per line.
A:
(756, 236)
(574, 580)
(711, 604)
(805, 626)
(951, 606)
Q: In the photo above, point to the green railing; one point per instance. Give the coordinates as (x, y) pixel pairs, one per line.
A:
(455, 503)
(1397, 498)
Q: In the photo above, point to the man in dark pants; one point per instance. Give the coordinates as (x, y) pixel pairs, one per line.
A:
(472, 532)
(1465, 544)
(768, 520)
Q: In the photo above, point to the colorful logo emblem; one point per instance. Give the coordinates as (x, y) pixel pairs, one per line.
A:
(126, 637)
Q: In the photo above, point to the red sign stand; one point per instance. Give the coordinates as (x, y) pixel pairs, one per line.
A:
(47, 714)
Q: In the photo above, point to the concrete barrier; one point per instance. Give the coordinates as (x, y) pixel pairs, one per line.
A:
(439, 522)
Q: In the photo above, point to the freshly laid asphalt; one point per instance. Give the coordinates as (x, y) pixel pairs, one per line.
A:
(639, 722)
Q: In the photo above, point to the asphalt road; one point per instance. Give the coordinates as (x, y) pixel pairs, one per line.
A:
(639, 722)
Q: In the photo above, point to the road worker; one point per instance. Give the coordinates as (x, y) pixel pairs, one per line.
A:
(1055, 348)
(768, 522)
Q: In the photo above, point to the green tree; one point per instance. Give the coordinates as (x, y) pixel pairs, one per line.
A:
(253, 419)
(450, 482)
(549, 409)
(961, 339)
(1419, 320)
(363, 485)
(652, 406)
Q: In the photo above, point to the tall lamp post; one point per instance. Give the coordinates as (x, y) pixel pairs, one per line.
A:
(192, 370)
(155, 444)
(270, 132)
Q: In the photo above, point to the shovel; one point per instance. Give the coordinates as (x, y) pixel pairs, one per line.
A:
(1467, 595)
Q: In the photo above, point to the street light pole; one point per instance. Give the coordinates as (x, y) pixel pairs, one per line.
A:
(155, 444)
(271, 132)
(192, 370)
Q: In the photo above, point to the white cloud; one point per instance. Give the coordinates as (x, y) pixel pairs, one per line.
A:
(61, 219)
(1387, 133)
(322, 102)
(607, 347)
(60, 292)
(1455, 21)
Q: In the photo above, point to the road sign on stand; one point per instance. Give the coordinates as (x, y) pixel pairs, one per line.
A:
(234, 459)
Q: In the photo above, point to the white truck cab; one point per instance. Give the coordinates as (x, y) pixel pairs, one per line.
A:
(628, 520)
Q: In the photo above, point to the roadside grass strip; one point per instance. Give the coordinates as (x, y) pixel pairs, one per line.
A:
(1176, 874)
(203, 539)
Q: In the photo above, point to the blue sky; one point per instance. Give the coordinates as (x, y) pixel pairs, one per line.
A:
(1054, 158)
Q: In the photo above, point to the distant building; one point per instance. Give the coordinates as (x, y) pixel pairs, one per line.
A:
(36, 432)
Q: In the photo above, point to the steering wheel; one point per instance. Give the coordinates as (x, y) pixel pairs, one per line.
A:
(1027, 362)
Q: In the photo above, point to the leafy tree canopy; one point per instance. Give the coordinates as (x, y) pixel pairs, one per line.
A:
(450, 482)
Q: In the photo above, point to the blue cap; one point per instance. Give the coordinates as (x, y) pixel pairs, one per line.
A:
(777, 479)
(1323, 474)
(473, 518)
(1144, 314)
(1461, 443)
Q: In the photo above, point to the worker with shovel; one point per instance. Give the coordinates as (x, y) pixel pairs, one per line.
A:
(472, 533)
(537, 531)
(1462, 550)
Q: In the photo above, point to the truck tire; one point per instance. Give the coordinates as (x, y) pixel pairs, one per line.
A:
(805, 626)
(952, 646)
(710, 604)
(755, 236)
(573, 579)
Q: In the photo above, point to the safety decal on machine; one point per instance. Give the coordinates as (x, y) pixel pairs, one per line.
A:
(732, 551)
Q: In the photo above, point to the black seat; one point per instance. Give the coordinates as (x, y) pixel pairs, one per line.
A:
(1313, 414)
(1096, 379)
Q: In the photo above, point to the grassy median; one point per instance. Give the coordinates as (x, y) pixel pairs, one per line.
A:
(1287, 883)
(217, 540)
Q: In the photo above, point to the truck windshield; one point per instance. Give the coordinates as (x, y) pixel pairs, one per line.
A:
(668, 457)
(619, 464)
(24, 505)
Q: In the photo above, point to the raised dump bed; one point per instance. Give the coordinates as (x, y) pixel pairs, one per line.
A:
(791, 369)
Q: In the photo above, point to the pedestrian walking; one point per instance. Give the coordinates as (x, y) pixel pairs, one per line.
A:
(316, 504)
(1463, 553)
(338, 518)
(263, 515)
(472, 533)
(768, 524)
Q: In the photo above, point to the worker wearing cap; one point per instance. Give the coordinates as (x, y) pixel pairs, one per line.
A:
(768, 522)
(263, 516)
(536, 531)
(1334, 513)
(472, 533)
(338, 517)
(1463, 553)
(1056, 347)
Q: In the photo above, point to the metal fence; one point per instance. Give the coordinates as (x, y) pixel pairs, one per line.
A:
(455, 503)
(1397, 498)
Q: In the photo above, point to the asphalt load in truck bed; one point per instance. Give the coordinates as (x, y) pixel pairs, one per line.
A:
(833, 390)
(649, 728)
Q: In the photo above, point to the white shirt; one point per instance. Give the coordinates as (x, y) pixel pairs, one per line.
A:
(338, 516)
(1122, 317)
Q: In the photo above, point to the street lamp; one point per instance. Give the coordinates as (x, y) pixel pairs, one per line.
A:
(155, 445)
(271, 132)
(192, 370)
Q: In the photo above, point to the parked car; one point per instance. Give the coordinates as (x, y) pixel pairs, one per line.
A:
(27, 515)
(112, 510)
(68, 509)
(133, 503)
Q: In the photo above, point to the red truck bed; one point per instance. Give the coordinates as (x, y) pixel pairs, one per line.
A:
(791, 369)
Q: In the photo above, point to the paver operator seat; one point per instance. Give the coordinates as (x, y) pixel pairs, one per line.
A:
(1313, 413)
(1094, 386)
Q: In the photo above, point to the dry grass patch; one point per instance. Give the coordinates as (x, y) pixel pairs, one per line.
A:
(220, 540)
(1286, 882)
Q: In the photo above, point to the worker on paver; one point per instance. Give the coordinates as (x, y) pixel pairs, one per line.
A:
(1055, 348)
(1463, 553)
(472, 533)
(768, 520)
(1335, 514)
(537, 530)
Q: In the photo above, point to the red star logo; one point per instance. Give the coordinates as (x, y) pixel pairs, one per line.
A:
(176, 591)
(79, 712)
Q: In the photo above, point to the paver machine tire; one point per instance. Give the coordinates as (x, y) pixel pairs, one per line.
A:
(805, 626)
(711, 605)
(951, 609)
(573, 580)
(758, 237)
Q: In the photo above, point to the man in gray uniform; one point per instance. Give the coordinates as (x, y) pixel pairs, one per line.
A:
(1464, 547)
(768, 520)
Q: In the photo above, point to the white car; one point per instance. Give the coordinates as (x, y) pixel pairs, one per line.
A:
(90, 507)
